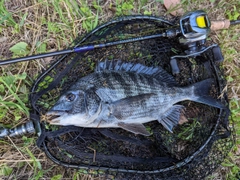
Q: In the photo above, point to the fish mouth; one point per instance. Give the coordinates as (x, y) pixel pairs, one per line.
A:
(52, 117)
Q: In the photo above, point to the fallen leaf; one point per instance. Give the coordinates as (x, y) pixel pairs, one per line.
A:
(182, 120)
(175, 6)
(2, 39)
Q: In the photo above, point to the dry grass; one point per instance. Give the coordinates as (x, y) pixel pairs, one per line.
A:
(57, 24)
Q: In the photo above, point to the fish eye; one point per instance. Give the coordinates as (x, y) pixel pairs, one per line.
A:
(70, 97)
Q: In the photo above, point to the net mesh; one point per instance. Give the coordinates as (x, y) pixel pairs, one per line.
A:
(193, 151)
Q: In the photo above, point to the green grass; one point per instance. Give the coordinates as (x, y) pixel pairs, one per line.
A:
(37, 26)
(16, 97)
(229, 41)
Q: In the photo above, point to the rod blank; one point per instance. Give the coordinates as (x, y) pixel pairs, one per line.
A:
(79, 49)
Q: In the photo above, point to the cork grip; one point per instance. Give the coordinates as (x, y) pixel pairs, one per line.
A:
(221, 24)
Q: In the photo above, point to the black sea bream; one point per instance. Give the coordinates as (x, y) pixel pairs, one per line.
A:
(126, 95)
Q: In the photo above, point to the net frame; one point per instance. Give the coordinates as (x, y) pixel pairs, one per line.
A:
(182, 169)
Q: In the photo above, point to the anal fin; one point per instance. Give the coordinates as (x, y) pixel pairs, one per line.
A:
(135, 128)
(171, 117)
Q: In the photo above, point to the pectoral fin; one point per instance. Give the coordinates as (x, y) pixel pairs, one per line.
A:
(135, 128)
(171, 117)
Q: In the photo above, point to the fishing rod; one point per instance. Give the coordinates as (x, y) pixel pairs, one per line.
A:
(193, 30)
(80, 49)
(171, 33)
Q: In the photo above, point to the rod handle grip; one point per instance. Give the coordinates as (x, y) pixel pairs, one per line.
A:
(221, 24)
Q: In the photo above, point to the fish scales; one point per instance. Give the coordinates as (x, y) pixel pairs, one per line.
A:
(138, 109)
(127, 95)
(153, 106)
(120, 84)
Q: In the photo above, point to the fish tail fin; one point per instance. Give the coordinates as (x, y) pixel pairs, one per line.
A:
(201, 94)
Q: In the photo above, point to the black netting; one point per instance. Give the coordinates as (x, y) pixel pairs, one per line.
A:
(195, 148)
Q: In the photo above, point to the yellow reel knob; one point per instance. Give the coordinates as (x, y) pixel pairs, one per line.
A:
(201, 21)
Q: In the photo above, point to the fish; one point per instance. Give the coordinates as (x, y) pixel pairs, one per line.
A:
(126, 95)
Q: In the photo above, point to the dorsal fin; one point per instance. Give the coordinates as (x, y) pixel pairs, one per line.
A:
(117, 65)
